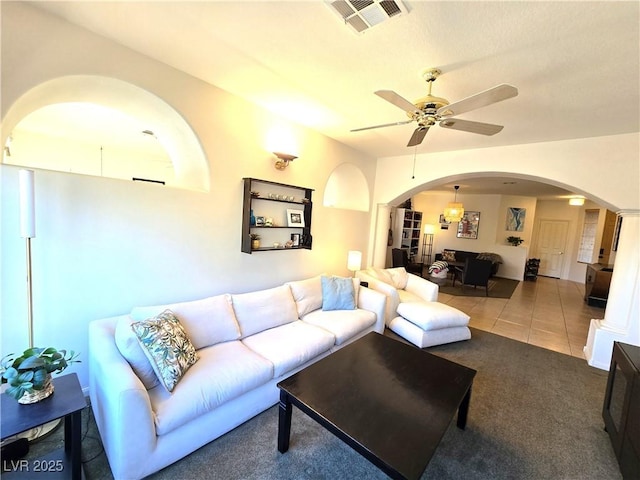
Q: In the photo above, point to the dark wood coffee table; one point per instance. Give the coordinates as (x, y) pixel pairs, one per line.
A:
(389, 401)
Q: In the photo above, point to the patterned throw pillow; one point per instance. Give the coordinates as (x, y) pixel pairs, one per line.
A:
(167, 347)
(449, 255)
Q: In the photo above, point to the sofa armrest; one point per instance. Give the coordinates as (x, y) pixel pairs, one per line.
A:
(369, 299)
(119, 401)
(389, 291)
(423, 288)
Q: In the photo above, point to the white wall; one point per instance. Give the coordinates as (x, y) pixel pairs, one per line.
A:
(106, 245)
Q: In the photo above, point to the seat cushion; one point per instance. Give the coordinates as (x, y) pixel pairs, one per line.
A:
(290, 345)
(225, 371)
(343, 324)
(433, 315)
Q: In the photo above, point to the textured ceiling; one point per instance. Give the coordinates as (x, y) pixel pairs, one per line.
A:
(576, 64)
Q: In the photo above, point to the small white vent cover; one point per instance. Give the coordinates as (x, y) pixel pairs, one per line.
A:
(361, 15)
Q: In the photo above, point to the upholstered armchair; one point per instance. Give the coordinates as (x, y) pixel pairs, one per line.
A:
(475, 272)
(400, 258)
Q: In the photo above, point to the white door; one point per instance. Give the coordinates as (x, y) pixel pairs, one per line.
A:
(552, 241)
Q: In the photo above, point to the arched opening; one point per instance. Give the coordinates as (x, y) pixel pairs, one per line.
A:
(347, 188)
(104, 127)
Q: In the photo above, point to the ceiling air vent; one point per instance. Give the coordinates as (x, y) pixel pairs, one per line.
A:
(361, 15)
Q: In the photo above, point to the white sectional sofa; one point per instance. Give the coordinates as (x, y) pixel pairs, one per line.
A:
(245, 344)
(413, 310)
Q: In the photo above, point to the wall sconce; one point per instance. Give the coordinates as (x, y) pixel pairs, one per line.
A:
(354, 261)
(576, 201)
(283, 160)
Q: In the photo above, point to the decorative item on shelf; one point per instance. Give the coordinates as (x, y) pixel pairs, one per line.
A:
(283, 160)
(29, 375)
(255, 241)
(252, 219)
(276, 245)
(295, 239)
(576, 201)
(289, 244)
(455, 210)
(295, 218)
(260, 221)
(354, 261)
(515, 241)
(305, 200)
(268, 222)
(255, 194)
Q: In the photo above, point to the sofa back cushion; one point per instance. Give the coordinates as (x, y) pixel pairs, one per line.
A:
(264, 309)
(206, 322)
(307, 294)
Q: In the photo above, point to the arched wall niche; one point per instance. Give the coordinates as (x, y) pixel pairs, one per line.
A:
(171, 130)
(347, 188)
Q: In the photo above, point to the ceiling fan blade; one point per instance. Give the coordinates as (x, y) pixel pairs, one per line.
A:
(404, 122)
(482, 99)
(400, 102)
(469, 126)
(418, 136)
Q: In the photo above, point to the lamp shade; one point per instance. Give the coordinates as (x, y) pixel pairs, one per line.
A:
(27, 204)
(429, 229)
(354, 260)
(454, 212)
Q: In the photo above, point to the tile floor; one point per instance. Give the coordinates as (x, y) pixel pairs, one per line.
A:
(549, 313)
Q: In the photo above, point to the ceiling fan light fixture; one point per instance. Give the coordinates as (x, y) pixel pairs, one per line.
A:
(455, 210)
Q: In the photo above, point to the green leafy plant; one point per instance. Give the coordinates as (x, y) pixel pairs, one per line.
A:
(254, 236)
(28, 372)
(515, 241)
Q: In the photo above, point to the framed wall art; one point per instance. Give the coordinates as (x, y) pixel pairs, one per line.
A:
(295, 218)
(515, 219)
(468, 225)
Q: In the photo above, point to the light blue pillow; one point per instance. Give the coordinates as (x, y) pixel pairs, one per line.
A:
(338, 293)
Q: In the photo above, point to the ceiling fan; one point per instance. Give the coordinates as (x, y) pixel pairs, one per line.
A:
(429, 110)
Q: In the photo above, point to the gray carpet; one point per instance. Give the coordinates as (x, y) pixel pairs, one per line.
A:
(498, 288)
(534, 414)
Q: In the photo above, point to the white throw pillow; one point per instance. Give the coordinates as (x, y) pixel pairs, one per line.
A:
(206, 322)
(432, 315)
(399, 276)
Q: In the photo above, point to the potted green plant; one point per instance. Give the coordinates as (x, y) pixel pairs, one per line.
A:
(515, 241)
(29, 375)
(255, 241)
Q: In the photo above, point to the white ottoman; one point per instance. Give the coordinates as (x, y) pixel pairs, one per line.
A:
(426, 324)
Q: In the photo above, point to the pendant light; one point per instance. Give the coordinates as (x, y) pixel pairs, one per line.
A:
(454, 211)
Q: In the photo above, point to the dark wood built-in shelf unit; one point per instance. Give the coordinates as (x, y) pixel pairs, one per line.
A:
(263, 201)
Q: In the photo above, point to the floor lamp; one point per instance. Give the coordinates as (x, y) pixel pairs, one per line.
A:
(427, 243)
(28, 231)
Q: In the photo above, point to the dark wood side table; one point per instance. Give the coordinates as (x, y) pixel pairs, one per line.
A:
(66, 402)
